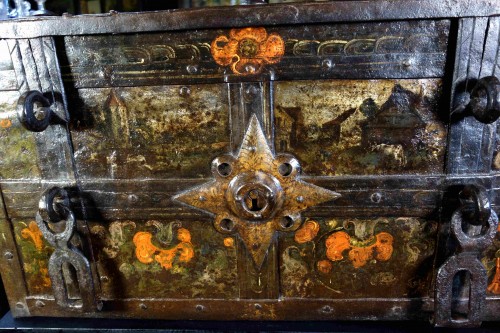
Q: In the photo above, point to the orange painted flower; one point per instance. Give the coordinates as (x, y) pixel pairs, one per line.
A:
(324, 266)
(247, 50)
(32, 232)
(144, 248)
(5, 123)
(146, 252)
(494, 286)
(307, 232)
(383, 247)
(337, 243)
(229, 242)
(359, 256)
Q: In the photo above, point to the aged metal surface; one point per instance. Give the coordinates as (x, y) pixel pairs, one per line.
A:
(371, 50)
(365, 108)
(481, 224)
(65, 254)
(361, 127)
(244, 16)
(255, 193)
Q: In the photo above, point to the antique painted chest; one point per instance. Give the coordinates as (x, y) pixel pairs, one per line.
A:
(312, 161)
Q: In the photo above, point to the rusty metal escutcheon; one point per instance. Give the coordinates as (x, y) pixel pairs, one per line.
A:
(54, 208)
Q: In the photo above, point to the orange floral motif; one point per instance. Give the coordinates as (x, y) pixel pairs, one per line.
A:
(307, 232)
(247, 50)
(146, 252)
(339, 242)
(32, 232)
(494, 286)
(324, 266)
(229, 242)
(5, 123)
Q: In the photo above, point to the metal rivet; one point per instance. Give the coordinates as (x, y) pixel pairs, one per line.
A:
(192, 69)
(9, 255)
(376, 197)
(327, 309)
(184, 91)
(200, 308)
(20, 305)
(202, 198)
(39, 304)
(258, 306)
(104, 279)
(407, 63)
(300, 199)
(99, 305)
(255, 246)
(133, 198)
(143, 306)
(327, 64)
(250, 69)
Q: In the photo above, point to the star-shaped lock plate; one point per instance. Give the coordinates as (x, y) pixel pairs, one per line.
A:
(256, 193)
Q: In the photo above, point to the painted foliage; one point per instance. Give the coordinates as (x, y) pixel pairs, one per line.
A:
(164, 259)
(385, 257)
(491, 260)
(34, 252)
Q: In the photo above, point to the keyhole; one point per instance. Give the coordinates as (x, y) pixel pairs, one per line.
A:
(255, 201)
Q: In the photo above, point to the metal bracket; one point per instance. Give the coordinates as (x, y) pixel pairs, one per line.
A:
(54, 208)
(474, 226)
(35, 113)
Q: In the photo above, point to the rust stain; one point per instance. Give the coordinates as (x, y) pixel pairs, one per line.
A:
(5, 123)
(146, 252)
(248, 50)
(307, 232)
(32, 232)
(494, 286)
(380, 248)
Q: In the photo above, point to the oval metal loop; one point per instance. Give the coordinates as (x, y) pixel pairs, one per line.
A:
(60, 239)
(444, 291)
(473, 243)
(34, 122)
(485, 100)
(476, 206)
(54, 204)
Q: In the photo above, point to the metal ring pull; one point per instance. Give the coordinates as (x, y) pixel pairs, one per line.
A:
(476, 213)
(34, 111)
(54, 208)
(483, 102)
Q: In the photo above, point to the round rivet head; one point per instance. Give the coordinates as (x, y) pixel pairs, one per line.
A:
(143, 306)
(200, 308)
(258, 306)
(132, 198)
(327, 309)
(39, 304)
(300, 199)
(20, 305)
(8, 255)
(376, 197)
(327, 64)
(192, 69)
